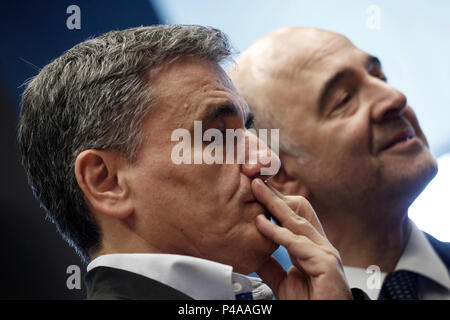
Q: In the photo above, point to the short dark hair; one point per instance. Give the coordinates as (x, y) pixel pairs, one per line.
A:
(95, 97)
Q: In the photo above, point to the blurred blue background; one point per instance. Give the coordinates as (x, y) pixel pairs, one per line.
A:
(34, 258)
(410, 37)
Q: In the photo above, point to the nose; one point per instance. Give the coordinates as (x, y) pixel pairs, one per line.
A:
(261, 161)
(388, 102)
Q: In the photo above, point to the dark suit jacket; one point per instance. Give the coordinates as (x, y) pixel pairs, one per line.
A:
(441, 248)
(104, 283)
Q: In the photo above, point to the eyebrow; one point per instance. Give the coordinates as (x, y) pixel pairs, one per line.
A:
(228, 109)
(214, 112)
(373, 62)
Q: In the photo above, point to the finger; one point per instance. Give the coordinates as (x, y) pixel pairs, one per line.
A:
(272, 273)
(293, 202)
(274, 190)
(272, 202)
(299, 246)
(283, 213)
(304, 209)
(304, 254)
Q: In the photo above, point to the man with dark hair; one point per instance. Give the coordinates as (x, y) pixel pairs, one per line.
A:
(352, 146)
(96, 135)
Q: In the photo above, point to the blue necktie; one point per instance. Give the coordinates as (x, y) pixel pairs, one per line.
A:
(399, 285)
(244, 296)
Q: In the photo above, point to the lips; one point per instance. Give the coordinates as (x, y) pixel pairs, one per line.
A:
(249, 198)
(399, 137)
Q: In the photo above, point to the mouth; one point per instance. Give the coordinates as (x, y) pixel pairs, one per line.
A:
(400, 137)
(249, 199)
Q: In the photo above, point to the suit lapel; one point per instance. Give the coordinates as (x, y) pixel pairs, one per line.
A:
(441, 248)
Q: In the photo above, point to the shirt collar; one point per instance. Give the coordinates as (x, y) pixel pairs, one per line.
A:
(198, 278)
(420, 257)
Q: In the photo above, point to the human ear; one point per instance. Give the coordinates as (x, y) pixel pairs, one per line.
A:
(101, 176)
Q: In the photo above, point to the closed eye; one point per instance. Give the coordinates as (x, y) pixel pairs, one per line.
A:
(344, 101)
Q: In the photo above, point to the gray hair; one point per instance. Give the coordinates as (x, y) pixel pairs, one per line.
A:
(95, 97)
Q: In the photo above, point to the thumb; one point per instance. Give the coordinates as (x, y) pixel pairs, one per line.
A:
(272, 273)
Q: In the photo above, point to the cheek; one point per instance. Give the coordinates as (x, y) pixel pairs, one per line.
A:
(184, 188)
(160, 184)
(350, 137)
(358, 140)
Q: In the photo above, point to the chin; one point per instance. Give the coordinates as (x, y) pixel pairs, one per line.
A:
(253, 261)
(263, 255)
(414, 178)
(425, 174)
(256, 255)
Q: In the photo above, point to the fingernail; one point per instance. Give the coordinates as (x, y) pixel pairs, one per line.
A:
(261, 217)
(258, 181)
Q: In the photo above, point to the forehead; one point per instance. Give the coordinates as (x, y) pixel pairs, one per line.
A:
(315, 61)
(185, 88)
(324, 57)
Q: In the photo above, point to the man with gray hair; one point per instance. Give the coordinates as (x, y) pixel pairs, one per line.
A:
(96, 139)
(351, 145)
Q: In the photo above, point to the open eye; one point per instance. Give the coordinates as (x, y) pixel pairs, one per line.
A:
(223, 133)
(250, 121)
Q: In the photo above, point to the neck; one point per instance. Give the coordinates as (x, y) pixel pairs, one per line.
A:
(370, 238)
(119, 236)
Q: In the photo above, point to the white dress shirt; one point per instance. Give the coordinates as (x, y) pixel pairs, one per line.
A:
(198, 278)
(420, 257)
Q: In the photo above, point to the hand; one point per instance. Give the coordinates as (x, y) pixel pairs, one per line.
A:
(317, 271)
